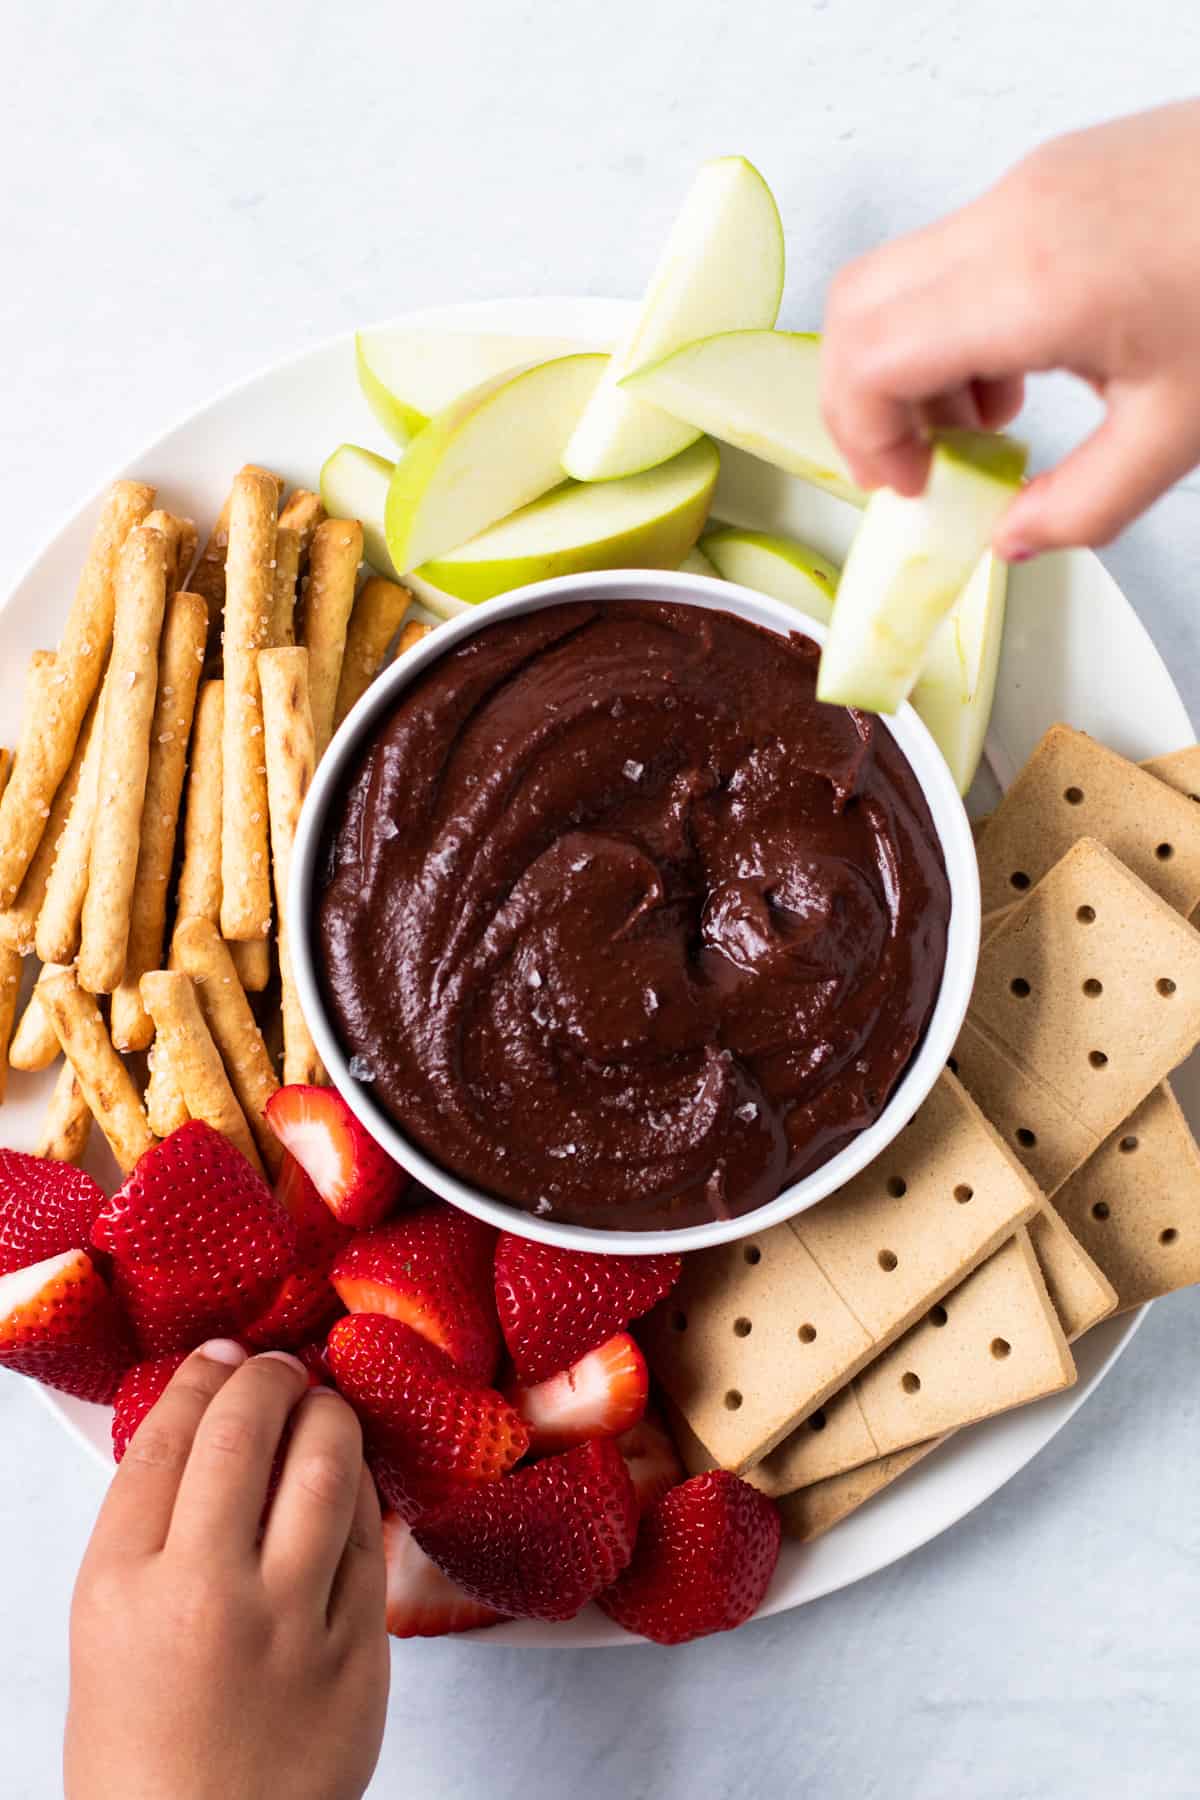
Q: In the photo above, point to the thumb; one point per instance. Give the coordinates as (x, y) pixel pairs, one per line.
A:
(1144, 445)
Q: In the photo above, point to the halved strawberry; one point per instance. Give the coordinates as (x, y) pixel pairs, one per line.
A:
(543, 1541)
(357, 1180)
(430, 1433)
(704, 1560)
(45, 1208)
(651, 1458)
(60, 1324)
(601, 1395)
(421, 1601)
(304, 1305)
(432, 1269)
(137, 1391)
(556, 1305)
(198, 1241)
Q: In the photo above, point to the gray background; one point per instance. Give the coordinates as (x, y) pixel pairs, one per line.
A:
(191, 191)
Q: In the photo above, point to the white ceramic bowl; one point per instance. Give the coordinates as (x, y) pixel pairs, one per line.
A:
(950, 822)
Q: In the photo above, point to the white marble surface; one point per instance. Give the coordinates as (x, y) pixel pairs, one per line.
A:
(191, 191)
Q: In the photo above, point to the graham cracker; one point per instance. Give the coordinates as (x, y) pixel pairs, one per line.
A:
(994, 1343)
(1073, 787)
(1079, 1290)
(812, 1511)
(760, 1333)
(1180, 769)
(1135, 1206)
(979, 826)
(1086, 997)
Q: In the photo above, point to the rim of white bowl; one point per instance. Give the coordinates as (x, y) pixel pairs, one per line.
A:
(962, 947)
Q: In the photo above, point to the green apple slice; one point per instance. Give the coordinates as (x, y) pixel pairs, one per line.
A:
(647, 521)
(909, 563)
(354, 485)
(757, 390)
(957, 685)
(696, 563)
(490, 452)
(409, 376)
(721, 269)
(778, 566)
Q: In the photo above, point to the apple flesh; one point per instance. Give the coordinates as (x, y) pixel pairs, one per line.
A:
(647, 521)
(490, 452)
(696, 563)
(354, 485)
(957, 686)
(721, 269)
(779, 566)
(407, 376)
(757, 390)
(908, 565)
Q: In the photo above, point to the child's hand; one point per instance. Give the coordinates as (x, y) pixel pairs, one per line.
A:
(206, 1665)
(1086, 257)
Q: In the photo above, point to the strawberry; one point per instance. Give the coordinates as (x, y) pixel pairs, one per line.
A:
(138, 1390)
(543, 1541)
(357, 1180)
(60, 1324)
(432, 1269)
(601, 1395)
(45, 1208)
(304, 1304)
(421, 1601)
(198, 1241)
(651, 1458)
(556, 1305)
(430, 1433)
(704, 1559)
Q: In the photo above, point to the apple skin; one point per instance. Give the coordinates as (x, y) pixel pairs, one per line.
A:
(956, 689)
(782, 567)
(657, 536)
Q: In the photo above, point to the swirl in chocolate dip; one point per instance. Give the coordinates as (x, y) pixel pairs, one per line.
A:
(624, 925)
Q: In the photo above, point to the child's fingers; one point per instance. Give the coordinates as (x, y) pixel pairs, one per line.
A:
(224, 1485)
(313, 1510)
(1122, 468)
(136, 1515)
(359, 1588)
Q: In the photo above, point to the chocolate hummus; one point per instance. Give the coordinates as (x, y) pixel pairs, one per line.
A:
(622, 924)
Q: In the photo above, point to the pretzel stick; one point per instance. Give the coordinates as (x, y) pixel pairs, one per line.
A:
(18, 923)
(249, 599)
(35, 1043)
(10, 966)
(252, 960)
(208, 576)
(302, 512)
(124, 761)
(173, 530)
(46, 748)
(410, 637)
(376, 618)
(194, 1059)
(200, 876)
(181, 654)
(106, 1084)
(291, 760)
(164, 1103)
(287, 570)
(56, 933)
(185, 555)
(68, 1122)
(337, 548)
(203, 955)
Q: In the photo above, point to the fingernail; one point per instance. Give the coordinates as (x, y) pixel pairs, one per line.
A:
(1018, 553)
(224, 1350)
(293, 1362)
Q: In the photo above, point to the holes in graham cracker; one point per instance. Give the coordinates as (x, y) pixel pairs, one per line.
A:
(1165, 986)
(888, 1260)
(1086, 915)
(911, 1383)
(752, 1254)
(1098, 1059)
(1127, 1146)
(1073, 796)
(1001, 1348)
(1026, 1138)
(733, 1400)
(897, 1187)
(678, 1321)
(742, 1328)
(807, 1334)
(963, 1193)
(938, 1315)
(1100, 1210)
(1020, 987)
(1020, 880)
(817, 1421)
(1169, 1236)
(1093, 988)
(1164, 852)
